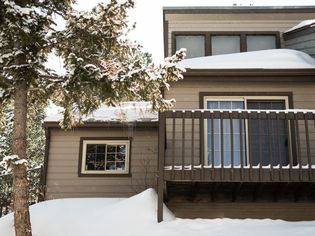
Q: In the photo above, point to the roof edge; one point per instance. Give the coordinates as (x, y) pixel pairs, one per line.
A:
(105, 124)
(307, 29)
(237, 9)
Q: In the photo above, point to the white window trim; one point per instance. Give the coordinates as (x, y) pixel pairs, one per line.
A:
(237, 98)
(108, 142)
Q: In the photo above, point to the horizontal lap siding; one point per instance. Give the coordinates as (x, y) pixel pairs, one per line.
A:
(232, 22)
(271, 210)
(305, 43)
(62, 175)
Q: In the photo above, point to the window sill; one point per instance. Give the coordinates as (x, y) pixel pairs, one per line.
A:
(104, 175)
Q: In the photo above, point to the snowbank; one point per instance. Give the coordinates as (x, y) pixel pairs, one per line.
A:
(136, 216)
(301, 25)
(126, 112)
(264, 59)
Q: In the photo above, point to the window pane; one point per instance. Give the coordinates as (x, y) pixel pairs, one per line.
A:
(260, 42)
(226, 134)
(106, 157)
(195, 45)
(262, 141)
(225, 44)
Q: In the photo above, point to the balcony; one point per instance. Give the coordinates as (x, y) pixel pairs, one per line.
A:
(236, 146)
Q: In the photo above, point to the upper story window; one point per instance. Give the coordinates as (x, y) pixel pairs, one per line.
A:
(195, 45)
(200, 44)
(224, 44)
(260, 42)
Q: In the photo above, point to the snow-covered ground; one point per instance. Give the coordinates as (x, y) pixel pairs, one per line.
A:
(137, 216)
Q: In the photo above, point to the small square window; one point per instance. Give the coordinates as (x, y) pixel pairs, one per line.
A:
(195, 45)
(105, 157)
(260, 42)
(225, 44)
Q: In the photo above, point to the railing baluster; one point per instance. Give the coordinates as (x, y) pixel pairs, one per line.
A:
(308, 150)
(279, 146)
(192, 144)
(287, 127)
(298, 143)
(173, 145)
(250, 159)
(241, 145)
(232, 147)
(202, 143)
(183, 146)
(222, 144)
(270, 145)
(260, 145)
(212, 145)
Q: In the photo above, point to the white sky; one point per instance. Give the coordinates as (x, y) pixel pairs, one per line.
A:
(149, 19)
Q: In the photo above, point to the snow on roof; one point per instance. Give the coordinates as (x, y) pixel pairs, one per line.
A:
(125, 112)
(264, 59)
(302, 24)
(136, 216)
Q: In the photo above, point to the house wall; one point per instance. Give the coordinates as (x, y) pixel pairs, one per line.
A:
(232, 22)
(186, 94)
(62, 175)
(303, 41)
(290, 211)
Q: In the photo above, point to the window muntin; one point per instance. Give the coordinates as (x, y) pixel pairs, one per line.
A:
(225, 104)
(195, 45)
(249, 138)
(260, 42)
(225, 44)
(105, 157)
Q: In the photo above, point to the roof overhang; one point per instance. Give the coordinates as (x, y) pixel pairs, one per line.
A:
(238, 9)
(105, 124)
(306, 30)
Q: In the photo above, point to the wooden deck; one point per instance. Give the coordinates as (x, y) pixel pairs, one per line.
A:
(235, 146)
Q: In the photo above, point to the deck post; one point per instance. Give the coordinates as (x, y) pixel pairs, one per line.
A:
(161, 156)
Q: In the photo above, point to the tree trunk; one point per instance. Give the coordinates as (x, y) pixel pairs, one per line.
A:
(22, 221)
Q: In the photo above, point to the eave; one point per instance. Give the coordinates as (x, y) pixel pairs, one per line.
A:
(106, 124)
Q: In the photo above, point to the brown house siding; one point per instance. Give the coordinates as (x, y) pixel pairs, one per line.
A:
(214, 21)
(62, 174)
(291, 211)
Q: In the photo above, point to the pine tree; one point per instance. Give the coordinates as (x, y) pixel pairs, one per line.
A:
(102, 65)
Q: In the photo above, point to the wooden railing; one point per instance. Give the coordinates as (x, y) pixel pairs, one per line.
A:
(35, 189)
(237, 145)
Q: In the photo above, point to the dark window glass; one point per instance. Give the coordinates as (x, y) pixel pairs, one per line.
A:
(260, 139)
(105, 157)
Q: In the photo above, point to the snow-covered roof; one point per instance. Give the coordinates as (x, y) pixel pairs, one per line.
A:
(302, 24)
(125, 112)
(264, 59)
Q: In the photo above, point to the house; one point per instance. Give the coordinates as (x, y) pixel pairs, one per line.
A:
(240, 142)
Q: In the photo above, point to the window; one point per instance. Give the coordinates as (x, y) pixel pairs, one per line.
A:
(199, 44)
(104, 156)
(260, 42)
(195, 45)
(225, 44)
(257, 135)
